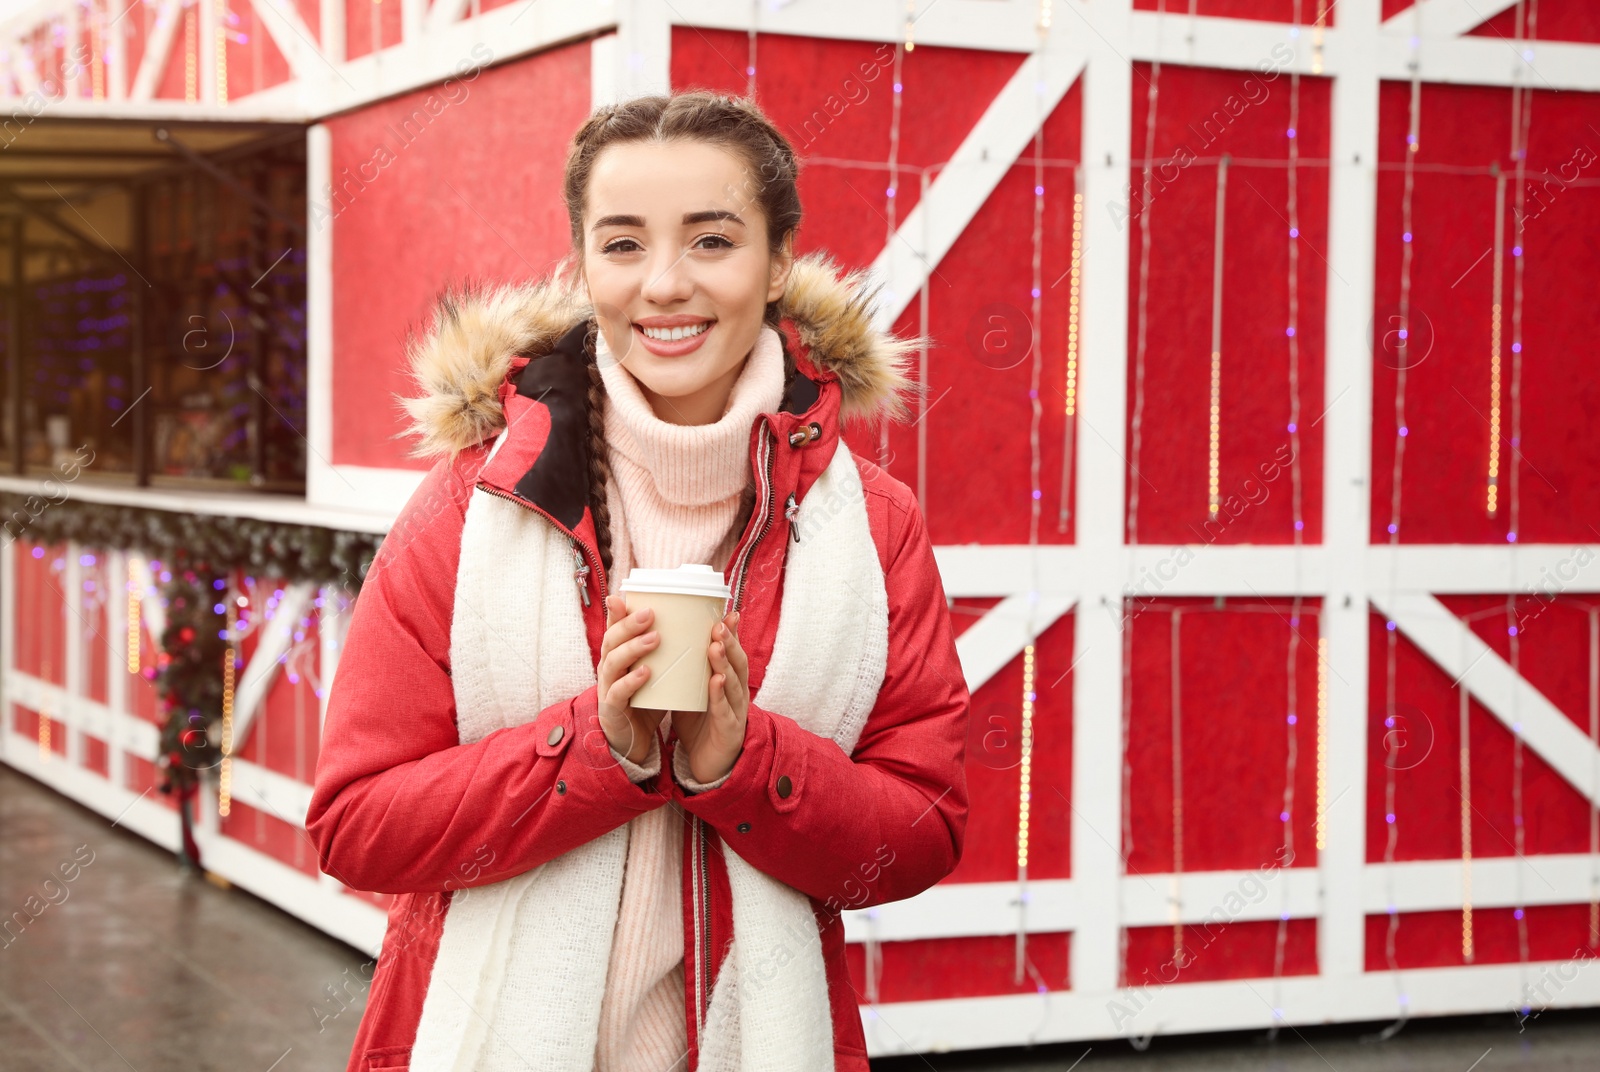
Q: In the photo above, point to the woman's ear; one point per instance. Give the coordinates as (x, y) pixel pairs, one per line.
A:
(782, 265)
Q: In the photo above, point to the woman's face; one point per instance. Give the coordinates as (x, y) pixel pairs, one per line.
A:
(677, 266)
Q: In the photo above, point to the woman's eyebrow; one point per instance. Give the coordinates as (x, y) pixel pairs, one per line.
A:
(690, 219)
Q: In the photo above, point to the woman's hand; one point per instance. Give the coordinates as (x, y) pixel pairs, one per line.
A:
(714, 737)
(627, 729)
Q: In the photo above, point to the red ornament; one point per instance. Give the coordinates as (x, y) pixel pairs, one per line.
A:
(186, 634)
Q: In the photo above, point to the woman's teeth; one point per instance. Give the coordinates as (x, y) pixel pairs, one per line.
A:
(671, 334)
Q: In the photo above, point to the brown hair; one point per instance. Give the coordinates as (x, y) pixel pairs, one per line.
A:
(732, 123)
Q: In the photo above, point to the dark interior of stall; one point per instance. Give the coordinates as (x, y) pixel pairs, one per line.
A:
(154, 327)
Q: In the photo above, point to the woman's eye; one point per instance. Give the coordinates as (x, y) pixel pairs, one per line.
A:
(616, 246)
(720, 241)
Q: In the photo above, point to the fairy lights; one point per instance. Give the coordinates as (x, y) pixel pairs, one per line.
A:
(901, 48)
(1073, 309)
(225, 772)
(911, 21)
(1214, 440)
(1176, 900)
(44, 717)
(1025, 771)
(133, 615)
(191, 40)
(222, 51)
(1493, 502)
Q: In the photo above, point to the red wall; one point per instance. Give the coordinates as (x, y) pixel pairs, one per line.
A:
(462, 181)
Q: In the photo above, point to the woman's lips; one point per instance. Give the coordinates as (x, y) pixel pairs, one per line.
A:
(677, 347)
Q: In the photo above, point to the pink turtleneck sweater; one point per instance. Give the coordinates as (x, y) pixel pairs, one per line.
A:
(674, 498)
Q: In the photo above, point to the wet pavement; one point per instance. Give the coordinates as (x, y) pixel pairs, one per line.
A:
(134, 964)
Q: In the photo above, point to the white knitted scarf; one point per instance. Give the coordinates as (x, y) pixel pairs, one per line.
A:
(521, 967)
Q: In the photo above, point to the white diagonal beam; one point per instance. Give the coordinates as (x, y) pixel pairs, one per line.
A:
(1000, 635)
(276, 637)
(156, 52)
(1445, 18)
(290, 33)
(1511, 698)
(958, 193)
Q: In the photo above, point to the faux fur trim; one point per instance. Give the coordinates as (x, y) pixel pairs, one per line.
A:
(462, 357)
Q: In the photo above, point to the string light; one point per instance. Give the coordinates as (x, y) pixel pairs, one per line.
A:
(911, 21)
(1297, 524)
(190, 58)
(1069, 426)
(1521, 117)
(901, 48)
(225, 773)
(222, 51)
(134, 633)
(1025, 776)
(1176, 900)
(1493, 502)
(1136, 437)
(44, 716)
(750, 61)
(1025, 772)
(97, 74)
(1391, 634)
(1214, 442)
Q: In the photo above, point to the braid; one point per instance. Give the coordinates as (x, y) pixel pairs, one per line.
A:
(599, 454)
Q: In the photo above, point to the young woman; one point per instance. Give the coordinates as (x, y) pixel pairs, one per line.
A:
(584, 885)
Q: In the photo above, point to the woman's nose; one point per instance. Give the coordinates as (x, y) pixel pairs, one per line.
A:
(668, 279)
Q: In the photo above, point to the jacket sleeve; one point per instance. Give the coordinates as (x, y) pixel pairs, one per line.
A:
(889, 820)
(399, 805)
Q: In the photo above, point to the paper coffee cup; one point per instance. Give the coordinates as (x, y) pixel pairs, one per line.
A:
(689, 601)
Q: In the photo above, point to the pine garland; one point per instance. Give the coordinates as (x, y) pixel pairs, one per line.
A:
(264, 548)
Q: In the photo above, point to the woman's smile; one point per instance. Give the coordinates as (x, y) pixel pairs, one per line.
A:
(672, 340)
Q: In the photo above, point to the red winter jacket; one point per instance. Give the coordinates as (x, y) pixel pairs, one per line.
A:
(400, 806)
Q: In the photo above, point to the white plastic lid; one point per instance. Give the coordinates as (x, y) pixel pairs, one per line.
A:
(690, 579)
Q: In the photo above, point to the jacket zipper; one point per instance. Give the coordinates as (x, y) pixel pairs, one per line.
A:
(766, 520)
(578, 547)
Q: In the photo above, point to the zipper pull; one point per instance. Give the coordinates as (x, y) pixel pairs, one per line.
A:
(581, 574)
(790, 510)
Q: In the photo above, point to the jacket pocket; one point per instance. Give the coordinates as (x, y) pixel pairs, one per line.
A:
(388, 1058)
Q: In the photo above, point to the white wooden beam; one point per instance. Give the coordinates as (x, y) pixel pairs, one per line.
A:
(157, 49)
(1444, 18)
(959, 191)
(1101, 507)
(991, 642)
(1228, 1005)
(1346, 428)
(1512, 699)
(290, 35)
(277, 636)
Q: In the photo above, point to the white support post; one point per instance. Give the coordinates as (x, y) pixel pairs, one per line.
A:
(1096, 797)
(643, 56)
(1347, 437)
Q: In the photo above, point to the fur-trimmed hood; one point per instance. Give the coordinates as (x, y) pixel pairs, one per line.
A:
(460, 360)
